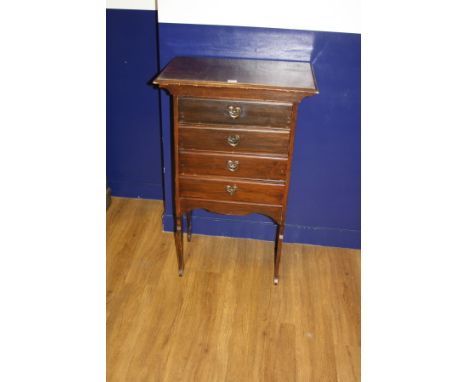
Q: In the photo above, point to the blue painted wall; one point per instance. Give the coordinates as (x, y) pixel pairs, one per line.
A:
(324, 199)
(134, 160)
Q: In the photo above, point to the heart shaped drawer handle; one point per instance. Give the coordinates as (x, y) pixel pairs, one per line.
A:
(231, 190)
(232, 165)
(233, 140)
(234, 111)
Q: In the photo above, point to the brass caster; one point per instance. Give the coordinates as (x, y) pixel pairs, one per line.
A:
(275, 280)
(181, 272)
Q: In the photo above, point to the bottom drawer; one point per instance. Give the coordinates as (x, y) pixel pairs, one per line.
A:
(231, 190)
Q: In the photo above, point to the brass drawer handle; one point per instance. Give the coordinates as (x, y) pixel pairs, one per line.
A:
(233, 140)
(232, 165)
(234, 111)
(231, 190)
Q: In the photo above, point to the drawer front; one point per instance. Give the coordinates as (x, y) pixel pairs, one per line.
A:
(232, 165)
(234, 112)
(234, 140)
(235, 190)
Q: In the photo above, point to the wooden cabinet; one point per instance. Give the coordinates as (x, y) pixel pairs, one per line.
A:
(234, 122)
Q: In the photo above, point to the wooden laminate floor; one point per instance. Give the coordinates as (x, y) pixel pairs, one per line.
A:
(225, 320)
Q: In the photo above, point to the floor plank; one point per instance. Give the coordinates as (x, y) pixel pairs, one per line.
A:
(225, 320)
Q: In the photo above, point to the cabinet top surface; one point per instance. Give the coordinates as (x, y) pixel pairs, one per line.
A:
(224, 72)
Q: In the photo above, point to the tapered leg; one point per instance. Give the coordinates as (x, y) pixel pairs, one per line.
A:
(278, 248)
(179, 245)
(189, 225)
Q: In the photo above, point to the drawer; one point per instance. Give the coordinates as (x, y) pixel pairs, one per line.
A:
(234, 140)
(234, 112)
(235, 190)
(231, 165)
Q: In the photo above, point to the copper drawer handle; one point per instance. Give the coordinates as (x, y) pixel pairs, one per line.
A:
(232, 165)
(233, 140)
(234, 111)
(231, 190)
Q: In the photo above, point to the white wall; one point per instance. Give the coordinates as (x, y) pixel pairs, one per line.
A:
(317, 15)
(149, 5)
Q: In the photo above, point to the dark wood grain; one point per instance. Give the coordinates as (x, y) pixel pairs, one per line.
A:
(188, 215)
(179, 241)
(247, 191)
(209, 111)
(246, 166)
(278, 249)
(240, 72)
(227, 92)
(233, 208)
(251, 140)
(217, 100)
(178, 218)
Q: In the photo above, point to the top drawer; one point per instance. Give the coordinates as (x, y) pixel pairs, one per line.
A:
(214, 111)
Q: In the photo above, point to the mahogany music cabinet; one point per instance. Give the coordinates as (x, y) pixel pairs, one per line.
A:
(234, 122)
